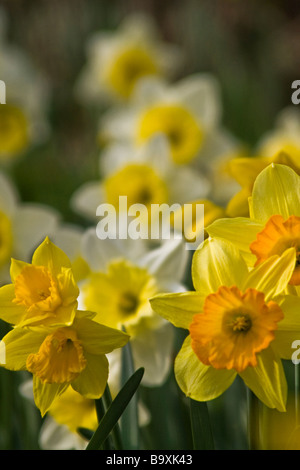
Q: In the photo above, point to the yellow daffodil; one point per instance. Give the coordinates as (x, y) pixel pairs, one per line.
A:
(239, 324)
(274, 222)
(245, 170)
(41, 293)
(59, 357)
(117, 61)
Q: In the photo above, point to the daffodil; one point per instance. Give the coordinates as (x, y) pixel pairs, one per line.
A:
(42, 292)
(280, 145)
(238, 321)
(117, 60)
(124, 275)
(73, 355)
(23, 120)
(145, 176)
(23, 226)
(274, 223)
(186, 114)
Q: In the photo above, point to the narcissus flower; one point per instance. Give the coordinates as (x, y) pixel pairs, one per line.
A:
(239, 324)
(117, 60)
(274, 223)
(23, 120)
(145, 176)
(124, 275)
(73, 355)
(41, 293)
(185, 114)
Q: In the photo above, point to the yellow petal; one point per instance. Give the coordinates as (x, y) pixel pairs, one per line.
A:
(273, 275)
(245, 169)
(210, 266)
(49, 255)
(241, 231)
(267, 380)
(45, 394)
(197, 381)
(276, 191)
(238, 204)
(97, 338)
(9, 311)
(16, 267)
(178, 308)
(92, 380)
(19, 343)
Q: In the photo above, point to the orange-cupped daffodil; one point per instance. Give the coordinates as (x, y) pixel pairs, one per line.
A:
(274, 222)
(239, 323)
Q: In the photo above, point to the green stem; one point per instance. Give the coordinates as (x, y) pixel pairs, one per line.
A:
(253, 421)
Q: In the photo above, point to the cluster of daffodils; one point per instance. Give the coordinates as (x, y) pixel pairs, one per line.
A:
(243, 315)
(73, 300)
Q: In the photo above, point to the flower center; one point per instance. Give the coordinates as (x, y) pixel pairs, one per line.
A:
(37, 290)
(234, 327)
(60, 358)
(140, 183)
(240, 323)
(277, 236)
(128, 67)
(13, 131)
(120, 295)
(178, 125)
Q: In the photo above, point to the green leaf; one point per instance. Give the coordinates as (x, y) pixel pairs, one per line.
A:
(85, 433)
(129, 420)
(201, 427)
(115, 410)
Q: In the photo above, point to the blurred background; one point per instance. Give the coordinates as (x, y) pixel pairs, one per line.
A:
(253, 50)
(251, 47)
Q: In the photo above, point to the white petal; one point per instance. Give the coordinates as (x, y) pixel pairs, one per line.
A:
(87, 198)
(31, 224)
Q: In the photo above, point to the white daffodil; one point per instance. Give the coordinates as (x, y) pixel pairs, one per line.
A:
(186, 114)
(145, 175)
(124, 275)
(117, 60)
(22, 226)
(23, 121)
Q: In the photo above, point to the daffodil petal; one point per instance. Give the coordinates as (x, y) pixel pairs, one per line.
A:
(272, 276)
(267, 380)
(288, 328)
(16, 267)
(157, 356)
(245, 169)
(49, 255)
(9, 311)
(210, 266)
(276, 191)
(19, 343)
(97, 338)
(197, 381)
(44, 394)
(178, 308)
(241, 231)
(92, 380)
